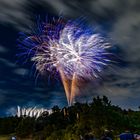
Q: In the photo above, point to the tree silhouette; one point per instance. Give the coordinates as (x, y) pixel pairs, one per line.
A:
(80, 120)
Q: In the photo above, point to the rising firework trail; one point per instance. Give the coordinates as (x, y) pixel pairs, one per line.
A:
(69, 49)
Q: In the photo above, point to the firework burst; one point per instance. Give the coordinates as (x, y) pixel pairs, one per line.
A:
(67, 48)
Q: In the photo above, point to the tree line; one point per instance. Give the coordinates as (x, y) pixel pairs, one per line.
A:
(74, 122)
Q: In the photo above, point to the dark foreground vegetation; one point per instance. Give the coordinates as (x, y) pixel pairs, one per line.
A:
(73, 122)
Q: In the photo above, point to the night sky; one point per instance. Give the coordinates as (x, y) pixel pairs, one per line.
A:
(119, 19)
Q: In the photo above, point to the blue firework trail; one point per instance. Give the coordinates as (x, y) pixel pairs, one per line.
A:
(66, 48)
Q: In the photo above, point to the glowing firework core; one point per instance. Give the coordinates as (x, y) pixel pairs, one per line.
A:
(75, 53)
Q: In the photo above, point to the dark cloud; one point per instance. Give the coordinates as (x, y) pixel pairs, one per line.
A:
(14, 12)
(119, 19)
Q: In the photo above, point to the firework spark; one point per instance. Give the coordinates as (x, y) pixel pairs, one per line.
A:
(69, 49)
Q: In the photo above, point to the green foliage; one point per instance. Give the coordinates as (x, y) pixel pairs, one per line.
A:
(71, 123)
(25, 127)
(8, 125)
